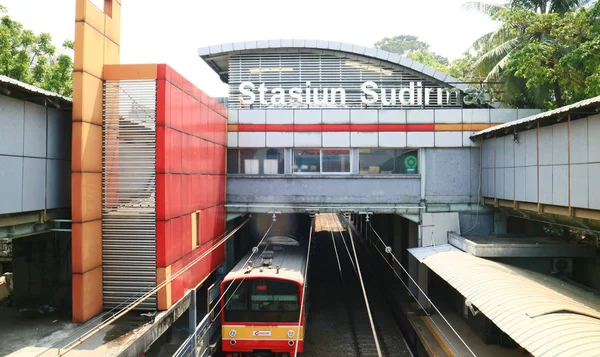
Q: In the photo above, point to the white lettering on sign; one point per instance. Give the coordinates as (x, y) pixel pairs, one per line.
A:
(413, 94)
(259, 333)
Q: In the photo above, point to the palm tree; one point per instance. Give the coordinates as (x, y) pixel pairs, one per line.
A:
(496, 47)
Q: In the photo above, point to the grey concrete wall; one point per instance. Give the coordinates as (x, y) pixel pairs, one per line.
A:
(452, 175)
(510, 168)
(340, 189)
(35, 155)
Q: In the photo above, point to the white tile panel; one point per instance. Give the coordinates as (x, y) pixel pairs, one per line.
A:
(11, 184)
(364, 139)
(34, 132)
(448, 139)
(520, 151)
(476, 116)
(34, 192)
(336, 139)
(520, 184)
(579, 185)
(500, 151)
(420, 139)
(252, 140)
(232, 139)
(11, 126)
(509, 153)
(524, 113)
(487, 150)
(309, 116)
(424, 116)
(546, 184)
(579, 141)
(307, 140)
(335, 116)
(392, 139)
(500, 183)
(467, 142)
(280, 139)
(509, 183)
(531, 147)
(545, 145)
(594, 195)
(531, 185)
(498, 116)
(560, 144)
(363, 116)
(392, 116)
(484, 182)
(232, 116)
(251, 116)
(280, 116)
(594, 138)
(448, 116)
(560, 185)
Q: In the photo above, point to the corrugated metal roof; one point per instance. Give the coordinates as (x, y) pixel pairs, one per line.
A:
(28, 88)
(584, 104)
(423, 252)
(544, 315)
(209, 53)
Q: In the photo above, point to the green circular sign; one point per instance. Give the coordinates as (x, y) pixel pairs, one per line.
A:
(410, 162)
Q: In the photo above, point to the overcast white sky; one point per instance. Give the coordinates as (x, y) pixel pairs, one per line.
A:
(158, 31)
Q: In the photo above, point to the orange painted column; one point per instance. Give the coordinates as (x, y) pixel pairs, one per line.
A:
(97, 39)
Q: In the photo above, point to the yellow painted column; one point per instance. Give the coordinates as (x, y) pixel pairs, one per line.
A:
(97, 38)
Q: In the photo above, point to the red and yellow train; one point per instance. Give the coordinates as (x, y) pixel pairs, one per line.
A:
(263, 306)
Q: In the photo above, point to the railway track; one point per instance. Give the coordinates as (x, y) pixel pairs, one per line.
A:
(338, 323)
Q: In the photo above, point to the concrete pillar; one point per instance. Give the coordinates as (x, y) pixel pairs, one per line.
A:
(413, 263)
(424, 284)
(97, 39)
(500, 223)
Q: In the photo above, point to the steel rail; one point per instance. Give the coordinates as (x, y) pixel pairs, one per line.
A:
(304, 287)
(388, 249)
(82, 339)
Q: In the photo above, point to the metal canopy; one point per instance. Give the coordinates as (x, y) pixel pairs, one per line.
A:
(544, 315)
(423, 252)
(217, 56)
(577, 110)
(26, 92)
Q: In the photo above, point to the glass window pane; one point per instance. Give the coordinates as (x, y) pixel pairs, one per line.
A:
(273, 163)
(250, 161)
(233, 166)
(336, 160)
(407, 161)
(376, 161)
(307, 160)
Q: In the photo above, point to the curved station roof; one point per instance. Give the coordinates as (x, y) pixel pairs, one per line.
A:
(217, 56)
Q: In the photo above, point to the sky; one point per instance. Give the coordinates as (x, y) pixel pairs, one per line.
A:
(156, 31)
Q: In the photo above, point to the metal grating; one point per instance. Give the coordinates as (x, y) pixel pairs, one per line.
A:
(129, 192)
(326, 70)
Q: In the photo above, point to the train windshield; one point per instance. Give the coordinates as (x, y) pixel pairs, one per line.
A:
(263, 300)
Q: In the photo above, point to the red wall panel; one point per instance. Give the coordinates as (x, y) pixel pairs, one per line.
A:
(190, 148)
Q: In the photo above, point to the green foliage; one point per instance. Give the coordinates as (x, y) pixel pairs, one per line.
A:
(32, 58)
(543, 54)
(430, 59)
(402, 45)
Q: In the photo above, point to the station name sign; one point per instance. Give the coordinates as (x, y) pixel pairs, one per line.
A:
(371, 94)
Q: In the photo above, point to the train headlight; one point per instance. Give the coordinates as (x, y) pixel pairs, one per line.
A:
(291, 333)
(232, 342)
(232, 333)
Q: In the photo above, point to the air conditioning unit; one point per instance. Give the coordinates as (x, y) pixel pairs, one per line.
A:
(563, 266)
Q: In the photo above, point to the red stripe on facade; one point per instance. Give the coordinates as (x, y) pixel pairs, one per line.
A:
(331, 127)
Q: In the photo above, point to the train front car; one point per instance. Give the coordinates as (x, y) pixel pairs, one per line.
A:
(263, 302)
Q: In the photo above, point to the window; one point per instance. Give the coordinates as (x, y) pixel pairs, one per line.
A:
(307, 161)
(263, 300)
(255, 161)
(388, 161)
(322, 161)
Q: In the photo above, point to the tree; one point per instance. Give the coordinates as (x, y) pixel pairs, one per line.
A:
(32, 58)
(496, 48)
(402, 45)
